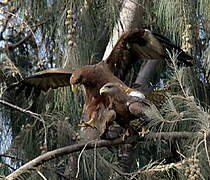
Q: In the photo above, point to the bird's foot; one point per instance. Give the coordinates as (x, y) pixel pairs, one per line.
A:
(143, 131)
(87, 124)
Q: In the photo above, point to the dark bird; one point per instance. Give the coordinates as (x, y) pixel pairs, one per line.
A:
(133, 45)
(129, 104)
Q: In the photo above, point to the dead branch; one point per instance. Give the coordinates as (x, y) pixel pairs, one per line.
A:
(28, 35)
(30, 113)
(101, 143)
(60, 152)
(35, 115)
(21, 41)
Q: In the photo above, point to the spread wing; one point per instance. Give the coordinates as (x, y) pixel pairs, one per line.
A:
(141, 44)
(43, 81)
(167, 45)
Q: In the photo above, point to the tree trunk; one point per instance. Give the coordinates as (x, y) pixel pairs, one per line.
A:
(129, 18)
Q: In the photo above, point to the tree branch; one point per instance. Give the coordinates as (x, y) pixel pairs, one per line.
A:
(101, 143)
(10, 156)
(35, 115)
(21, 41)
(30, 33)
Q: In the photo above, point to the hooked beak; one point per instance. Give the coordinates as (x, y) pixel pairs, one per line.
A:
(75, 87)
(102, 90)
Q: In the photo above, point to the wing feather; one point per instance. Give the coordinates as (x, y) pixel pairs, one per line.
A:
(139, 109)
(168, 45)
(141, 44)
(43, 81)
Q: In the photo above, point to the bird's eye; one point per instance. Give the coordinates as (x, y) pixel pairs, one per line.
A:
(79, 79)
(109, 86)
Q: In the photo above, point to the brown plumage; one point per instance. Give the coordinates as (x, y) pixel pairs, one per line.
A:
(142, 44)
(133, 45)
(129, 104)
(43, 81)
(93, 77)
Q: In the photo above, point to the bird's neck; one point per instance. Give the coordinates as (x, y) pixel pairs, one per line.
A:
(120, 97)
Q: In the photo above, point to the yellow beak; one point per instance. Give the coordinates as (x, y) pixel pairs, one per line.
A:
(74, 88)
(102, 90)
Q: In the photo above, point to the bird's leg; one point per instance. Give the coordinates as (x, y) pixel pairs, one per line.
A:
(74, 88)
(143, 131)
(87, 124)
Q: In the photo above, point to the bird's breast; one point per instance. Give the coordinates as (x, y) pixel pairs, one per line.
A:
(121, 109)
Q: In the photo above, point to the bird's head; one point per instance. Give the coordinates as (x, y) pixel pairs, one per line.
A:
(82, 76)
(77, 79)
(110, 89)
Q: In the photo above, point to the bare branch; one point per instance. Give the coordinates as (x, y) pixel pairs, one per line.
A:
(60, 152)
(21, 41)
(101, 143)
(10, 156)
(34, 27)
(35, 115)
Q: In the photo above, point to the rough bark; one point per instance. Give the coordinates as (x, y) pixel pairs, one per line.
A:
(101, 143)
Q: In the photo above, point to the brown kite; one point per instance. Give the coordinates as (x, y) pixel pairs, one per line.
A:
(133, 45)
(128, 103)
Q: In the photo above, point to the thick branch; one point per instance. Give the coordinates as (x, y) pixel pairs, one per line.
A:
(100, 143)
(60, 152)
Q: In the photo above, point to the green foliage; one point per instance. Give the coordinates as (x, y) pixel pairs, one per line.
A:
(173, 16)
(182, 112)
(186, 109)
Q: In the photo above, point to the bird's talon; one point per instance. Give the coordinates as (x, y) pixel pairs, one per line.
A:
(87, 124)
(82, 125)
